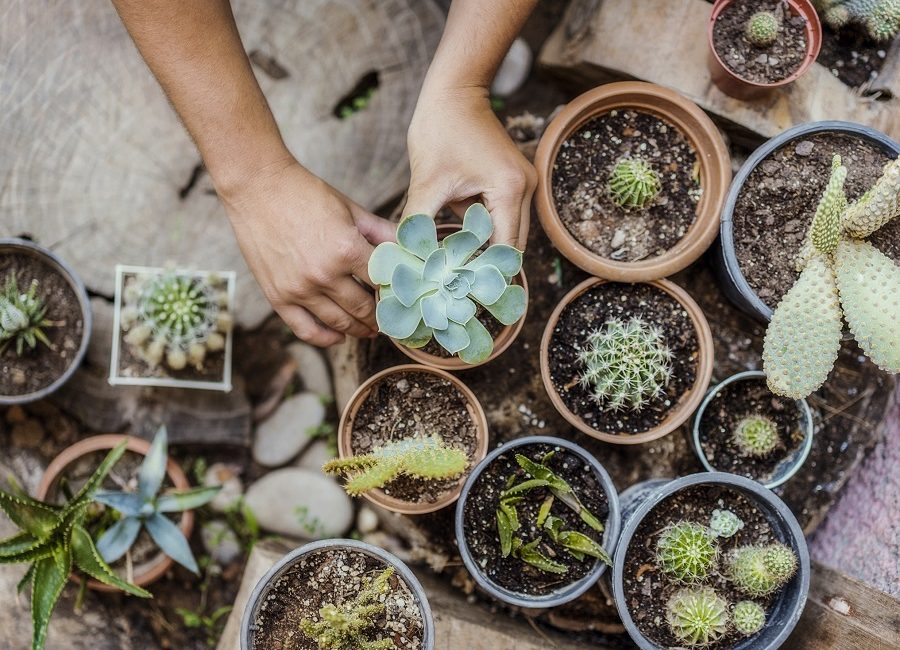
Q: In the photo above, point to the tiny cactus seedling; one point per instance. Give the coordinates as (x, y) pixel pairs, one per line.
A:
(625, 363)
(756, 435)
(350, 626)
(687, 551)
(749, 617)
(425, 457)
(762, 28)
(880, 18)
(633, 184)
(725, 523)
(759, 570)
(22, 317)
(698, 616)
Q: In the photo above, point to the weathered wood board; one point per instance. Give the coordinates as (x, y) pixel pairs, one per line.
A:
(665, 43)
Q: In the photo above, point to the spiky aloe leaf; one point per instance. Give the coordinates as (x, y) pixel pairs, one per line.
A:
(50, 576)
(530, 554)
(26, 580)
(21, 541)
(171, 541)
(83, 495)
(87, 559)
(31, 516)
(877, 206)
(572, 540)
(504, 531)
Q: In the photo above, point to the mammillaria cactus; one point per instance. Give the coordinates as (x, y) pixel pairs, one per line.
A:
(633, 184)
(349, 626)
(762, 28)
(840, 275)
(759, 570)
(756, 435)
(426, 457)
(625, 363)
(880, 18)
(724, 523)
(697, 616)
(749, 617)
(175, 316)
(433, 289)
(687, 551)
(22, 318)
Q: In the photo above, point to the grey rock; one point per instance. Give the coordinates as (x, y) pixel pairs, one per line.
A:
(289, 430)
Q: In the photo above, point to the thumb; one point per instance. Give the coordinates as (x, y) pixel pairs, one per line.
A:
(375, 229)
(422, 199)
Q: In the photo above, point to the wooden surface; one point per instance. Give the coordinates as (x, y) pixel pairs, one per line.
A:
(607, 40)
(96, 165)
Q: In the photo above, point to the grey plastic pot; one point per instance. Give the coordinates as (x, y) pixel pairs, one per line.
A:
(725, 262)
(790, 464)
(14, 245)
(261, 590)
(640, 499)
(568, 592)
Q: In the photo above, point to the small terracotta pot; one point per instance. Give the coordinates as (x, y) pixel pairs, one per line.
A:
(688, 401)
(476, 412)
(150, 571)
(504, 339)
(735, 86)
(665, 104)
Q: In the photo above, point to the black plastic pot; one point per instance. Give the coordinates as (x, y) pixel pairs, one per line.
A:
(725, 263)
(568, 592)
(261, 590)
(640, 499)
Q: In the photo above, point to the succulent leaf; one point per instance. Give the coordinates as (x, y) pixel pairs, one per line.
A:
(724, 523)
(477, 220)
(454, 338)
(395, 320)
(153, 467)
(481, 344)
(15, 544)
(22, 320)
(419, 338)
(88, 559)
(530, 554)
(507, 259)
(408, 285)
(434, 311)
(384, 260)
(50, 576)
(118, 538)
(170, 540)
(460, 246)
(510, 306)
(418, 235)
(433, 271)
(30, 515)
(460, 311)
(489, 285)
(128, 503)
(189, 499)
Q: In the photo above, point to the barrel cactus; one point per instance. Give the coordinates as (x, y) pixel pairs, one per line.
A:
(762, 28)
(759, 570)
(22, 317)
(749, 617)
(880, 18)
(841, 275)
(633, 184)
(687, 551)
(756, 435)
(697, 616)
(431, 289)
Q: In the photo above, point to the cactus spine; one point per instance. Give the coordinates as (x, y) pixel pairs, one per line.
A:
(687, 551)
(697, 616)
(759, 570)
(633, 184)
(762, 28)
(756, 435)
(749, 617)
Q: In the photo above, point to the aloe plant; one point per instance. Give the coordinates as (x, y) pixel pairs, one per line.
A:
(22, 317)
(433, 289)
(53, 540)
(146, 508)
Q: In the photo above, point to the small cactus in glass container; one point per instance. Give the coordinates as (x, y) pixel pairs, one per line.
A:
(756, 435)
(22, 317)
(749, 617)
(762, 28)
(759, 570)
(633, 184)
(698, 616)
(687, 551)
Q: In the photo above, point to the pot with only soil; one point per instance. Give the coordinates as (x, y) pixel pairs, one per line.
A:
(77, 462)
(343, 578)
(772, 201)
(537, 521)
(604, 336)
(45, 321)
(741, 427)
(399, 423)
(709, 560)
(756, 46)
(646, 203)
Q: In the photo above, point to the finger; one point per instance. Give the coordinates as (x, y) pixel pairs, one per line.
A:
(423, 199)
(506, 210)
(355, 253)
(335, 317)
(355, 300)
(459, 207)
(375, 229)
(525, 220)
(306, 328)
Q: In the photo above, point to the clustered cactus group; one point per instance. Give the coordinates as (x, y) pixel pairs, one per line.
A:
(430, 289)
(880, 18)
(625, 363)
(841, 275)
(756, 436)
(174, 317)
(22, 317)
(762, 28)
(633, 184)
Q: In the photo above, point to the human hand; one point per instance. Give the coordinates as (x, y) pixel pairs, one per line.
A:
(308, 246)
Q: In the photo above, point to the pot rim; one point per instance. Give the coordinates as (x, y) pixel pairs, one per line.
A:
(335, 544)
(691, 121)
(610, 534)
(799, 456)
(476, 412)
(789, 527)
(689, 400)
(64, 270)
(105, 442)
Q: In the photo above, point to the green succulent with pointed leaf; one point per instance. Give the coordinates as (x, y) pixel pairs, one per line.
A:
(53, 540)
(147, 508)
(22, 317)
(433, 289)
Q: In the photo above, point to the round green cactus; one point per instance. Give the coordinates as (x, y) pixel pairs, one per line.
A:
(697, 616)
(725, 523)
(625, 363)
(749, 617)
(762, 28)
(633, 184)
(756, 435)
(760, 570)
(687, 551)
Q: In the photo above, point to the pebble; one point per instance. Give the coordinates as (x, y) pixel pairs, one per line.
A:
(618, 238)
(313, 369)
(220, 542)
(27, 434)
(513, 70)
(804, 148)
(773, 60)
(228, 476)
(289, 430)
(300, 503)
(366, 520)
(762, 58)
(316, 455)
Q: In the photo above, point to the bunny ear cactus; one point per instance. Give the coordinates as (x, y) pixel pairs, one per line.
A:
(880, 18)
(53, 541)
(841, 276)
(433, 289)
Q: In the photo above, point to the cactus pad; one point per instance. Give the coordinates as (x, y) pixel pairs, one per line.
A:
(877, 206)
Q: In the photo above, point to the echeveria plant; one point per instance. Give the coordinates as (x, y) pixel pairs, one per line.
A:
(145, 508)
(433, 289)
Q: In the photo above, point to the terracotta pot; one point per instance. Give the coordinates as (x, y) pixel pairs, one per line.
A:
(476, 412)
(732, 84)
(665, 104)
(688, 401)
(504, 339)
(145, 573)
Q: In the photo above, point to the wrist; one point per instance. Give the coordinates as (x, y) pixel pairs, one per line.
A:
(233, 175)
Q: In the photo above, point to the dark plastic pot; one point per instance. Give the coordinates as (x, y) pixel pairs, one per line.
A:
(261, 590)
(790, 464)
(725, 263)
(568, 592)
(14, 245)
(640, 499)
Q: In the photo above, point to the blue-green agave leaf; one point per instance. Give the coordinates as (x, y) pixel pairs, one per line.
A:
(418, 235)
(419, 338)
(407, 284)
(186, 499)
(489, 285)
(28, 514)
(82, 497)
(386, 257)
(507, 259)
(454, 338)
(481, 344)
(87, 559)
(128, 503)
(510, 307)
(50, 576)
(118, 538)
(434, 311)
(460, 246)
(461, 310)
(395, 320)
(153, 469)
(435, 265)
(171, 541)
(477, 220)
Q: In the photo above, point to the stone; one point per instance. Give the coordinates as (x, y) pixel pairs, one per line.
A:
(513, 70)
(804, 148)
(289, 430)
(366, 520)
(300, 503)
(27, 434)
(220, 542)
(228, 476)
(313, 369)
(316, 455)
